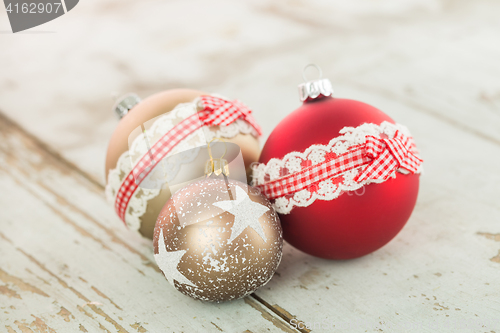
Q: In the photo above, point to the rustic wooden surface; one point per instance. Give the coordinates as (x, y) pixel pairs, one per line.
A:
(68, 265)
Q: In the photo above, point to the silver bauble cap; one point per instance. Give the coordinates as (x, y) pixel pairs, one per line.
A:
(314, 88)
(125, 103)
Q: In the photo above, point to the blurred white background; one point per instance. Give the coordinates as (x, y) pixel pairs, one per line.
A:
(440, 57)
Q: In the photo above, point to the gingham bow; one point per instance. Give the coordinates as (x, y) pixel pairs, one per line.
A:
(224, 112)
(389, 155)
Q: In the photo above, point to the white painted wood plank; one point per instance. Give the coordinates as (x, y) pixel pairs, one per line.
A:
(61, 248)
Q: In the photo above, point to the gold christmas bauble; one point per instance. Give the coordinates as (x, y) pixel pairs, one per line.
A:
(143, 216)
(218, 240)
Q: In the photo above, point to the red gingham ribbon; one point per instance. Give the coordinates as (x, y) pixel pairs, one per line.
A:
(225, 112)
(311, 175)
(385, 155)
(216, 111)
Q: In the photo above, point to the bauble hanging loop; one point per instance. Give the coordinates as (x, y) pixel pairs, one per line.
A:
(311, 65)
(313, 89)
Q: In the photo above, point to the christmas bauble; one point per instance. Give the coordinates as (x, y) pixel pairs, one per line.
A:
(145, 123)
(218, 240)
(341, 173)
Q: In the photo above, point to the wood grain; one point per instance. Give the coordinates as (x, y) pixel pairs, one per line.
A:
(68, 265)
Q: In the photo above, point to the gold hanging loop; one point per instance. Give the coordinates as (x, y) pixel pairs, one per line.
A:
(216, 166)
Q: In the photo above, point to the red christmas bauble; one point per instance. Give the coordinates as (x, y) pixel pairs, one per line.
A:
(355, 223)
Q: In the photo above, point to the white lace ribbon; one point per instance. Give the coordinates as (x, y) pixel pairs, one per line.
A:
(283, 172)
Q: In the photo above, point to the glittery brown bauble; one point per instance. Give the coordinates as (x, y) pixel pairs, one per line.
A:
(218, 240)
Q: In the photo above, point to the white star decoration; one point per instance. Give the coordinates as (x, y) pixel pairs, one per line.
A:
(168, 261)
(246, 213)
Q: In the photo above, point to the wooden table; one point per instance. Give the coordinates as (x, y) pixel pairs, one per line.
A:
(67, 264)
